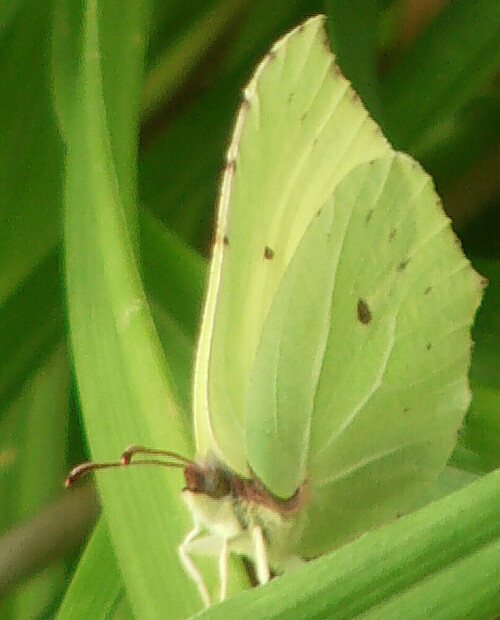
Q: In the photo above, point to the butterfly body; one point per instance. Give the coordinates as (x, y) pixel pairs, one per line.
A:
(235, 514)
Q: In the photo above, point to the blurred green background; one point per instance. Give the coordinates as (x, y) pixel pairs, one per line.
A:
(126, 108)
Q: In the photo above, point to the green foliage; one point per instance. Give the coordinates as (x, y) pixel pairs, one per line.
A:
(407, 570)
(115, 118)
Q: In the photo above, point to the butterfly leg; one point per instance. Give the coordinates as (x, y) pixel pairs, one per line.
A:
(261, 561)
(223, 572)
(189, 565)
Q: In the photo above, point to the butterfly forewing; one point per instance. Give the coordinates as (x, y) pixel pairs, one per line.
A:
(300, 129)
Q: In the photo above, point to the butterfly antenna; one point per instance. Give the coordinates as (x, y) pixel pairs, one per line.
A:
(84, 468)
(134, 450)
(126, 461)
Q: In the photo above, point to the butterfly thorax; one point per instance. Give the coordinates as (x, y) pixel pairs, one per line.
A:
(230, 506)
(217, 482)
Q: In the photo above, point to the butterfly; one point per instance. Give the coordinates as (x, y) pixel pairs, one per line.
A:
(331, 370)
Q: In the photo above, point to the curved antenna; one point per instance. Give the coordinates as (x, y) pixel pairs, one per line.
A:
(126, 461)
(135, 449)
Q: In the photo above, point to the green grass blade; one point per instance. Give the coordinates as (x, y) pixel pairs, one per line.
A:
(31, 325)
(438, 598)
(124, 384)
(97, 573)
(32, 465)
(171, 70)
(31, 150)
(443, 70)
(454, 540)
(167, 259)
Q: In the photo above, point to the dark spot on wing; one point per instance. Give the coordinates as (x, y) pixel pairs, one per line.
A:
(290, 97)
(428, 290)
(428, 346)
(369, 216)
(318, 212)
(303, 117)
(268, 253)
(392, 234)
(406, 409)
(226, 241)
(364, 313)
(402, 265)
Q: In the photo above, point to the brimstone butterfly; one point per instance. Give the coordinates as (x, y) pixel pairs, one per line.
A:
(331, 373)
